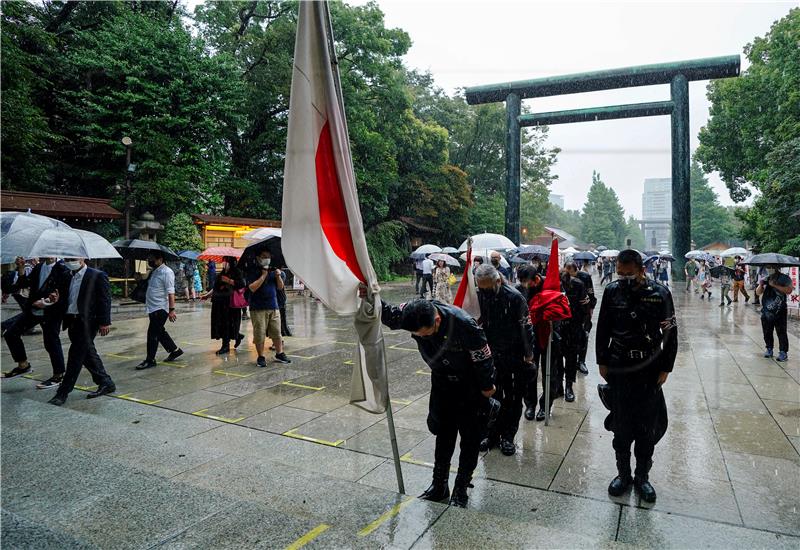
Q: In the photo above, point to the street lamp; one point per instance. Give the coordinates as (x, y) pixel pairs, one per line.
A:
(129, 168)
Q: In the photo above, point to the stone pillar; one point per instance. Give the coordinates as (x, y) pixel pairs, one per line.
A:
(681, 157)
(513, 152)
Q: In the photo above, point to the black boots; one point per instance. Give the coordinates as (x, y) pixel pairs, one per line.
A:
(460, 496)
(569, 395)
(641, 483)
(623, 481)
(439, 489)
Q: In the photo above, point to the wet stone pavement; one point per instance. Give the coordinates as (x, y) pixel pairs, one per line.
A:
(214, 452)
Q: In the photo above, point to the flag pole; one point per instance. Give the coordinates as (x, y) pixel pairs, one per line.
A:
(547, 376)
(389, 416)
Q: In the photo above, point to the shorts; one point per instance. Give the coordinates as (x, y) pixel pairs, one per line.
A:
(266, 322)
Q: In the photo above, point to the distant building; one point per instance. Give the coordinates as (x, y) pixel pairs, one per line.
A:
(657, 213)
(558, 200)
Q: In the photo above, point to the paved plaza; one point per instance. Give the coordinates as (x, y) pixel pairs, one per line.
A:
(214, 452)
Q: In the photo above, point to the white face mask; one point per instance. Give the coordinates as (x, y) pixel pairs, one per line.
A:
(265, 262)
(73, 265)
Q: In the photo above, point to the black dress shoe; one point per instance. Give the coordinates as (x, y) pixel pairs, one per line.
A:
(487, 443)
(530, 413)
(540, 415)
(646, 491)
(57, 400)
(238, 340)
(569, 395)
(173, 355)
(437, 492)
(619, 485)
(223, 351)
(507, 447)
(146, 365)
(582, 368)
(102, 390)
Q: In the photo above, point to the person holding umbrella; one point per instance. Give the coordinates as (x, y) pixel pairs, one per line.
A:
(263, 285)
(441, 282)
(46, 282)
(225, 319)
(160, 305)
(738, 280)
(773, 291)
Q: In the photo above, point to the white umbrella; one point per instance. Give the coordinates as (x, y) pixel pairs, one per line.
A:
(56, 242)
(570, 250)
(486, 254)
(11, 222)
(491, 241)
(609, 253)
(262, 233)
(694, 254)
(424, 250)
(450, 250)
(735, 251)
(449, 260)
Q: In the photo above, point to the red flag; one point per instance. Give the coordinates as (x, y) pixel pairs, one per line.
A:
(550, 304)
(467, 293)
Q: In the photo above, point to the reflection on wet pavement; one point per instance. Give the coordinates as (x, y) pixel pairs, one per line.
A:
(215, 452)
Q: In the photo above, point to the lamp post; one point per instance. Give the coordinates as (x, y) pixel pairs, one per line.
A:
(127, 142)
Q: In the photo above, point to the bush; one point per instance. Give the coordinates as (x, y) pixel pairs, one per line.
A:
(180, 233)
(385, 242)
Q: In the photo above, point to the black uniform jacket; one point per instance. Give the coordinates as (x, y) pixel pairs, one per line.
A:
(458, 349)
(506, 321)
(637, 325)
(58, 279)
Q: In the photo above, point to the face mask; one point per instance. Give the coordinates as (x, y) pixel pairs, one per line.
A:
(73, 265)
(626, 281)
(265, 262)
(495, 262)
(151, 263)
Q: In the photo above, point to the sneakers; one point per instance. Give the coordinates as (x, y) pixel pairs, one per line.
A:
(281, 358)
(261, 361)
(768, 353)
(782, 356)
(51, 383)
(173, 355)
(18, 371)
(146, 364)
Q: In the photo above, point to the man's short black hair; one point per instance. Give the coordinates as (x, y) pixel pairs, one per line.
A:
(527, 273)
(630, 256)
(156, 254)
(418, 314)
(571, 265)
(478, 259)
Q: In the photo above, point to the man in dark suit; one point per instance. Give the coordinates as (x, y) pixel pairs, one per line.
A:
(48, 280)
(88, 312)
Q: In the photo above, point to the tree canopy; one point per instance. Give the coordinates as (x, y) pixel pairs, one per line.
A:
(603, 216)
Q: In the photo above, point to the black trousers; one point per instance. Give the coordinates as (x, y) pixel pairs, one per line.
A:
(513, 379)
(556, 374)
(587, 328)
(284, 324)
(455, 409)
(82, 353)
(777, 324)
(51, 329)
(427, 280)
(157, 334)
(417, 279)
(572, 335)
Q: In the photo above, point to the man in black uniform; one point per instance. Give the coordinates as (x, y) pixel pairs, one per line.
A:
(572, 331)
(530, 282)
(588, 284)
(637, 341)
(507, 324)
(462, 378)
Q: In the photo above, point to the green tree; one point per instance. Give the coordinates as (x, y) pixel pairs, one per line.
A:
(710, 221)
(634, 232)
(603, 217)
(180, 233)
(568, 220)
(752, 131)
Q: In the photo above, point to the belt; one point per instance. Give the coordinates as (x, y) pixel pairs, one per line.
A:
(638, 354)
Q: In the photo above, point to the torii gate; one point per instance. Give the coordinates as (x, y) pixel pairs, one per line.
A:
(677, 75)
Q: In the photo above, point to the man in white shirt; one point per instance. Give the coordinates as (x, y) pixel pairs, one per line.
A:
(427, 276)
(160, 304)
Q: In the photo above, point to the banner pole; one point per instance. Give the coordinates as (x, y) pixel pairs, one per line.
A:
(547, 376)
(395, 452)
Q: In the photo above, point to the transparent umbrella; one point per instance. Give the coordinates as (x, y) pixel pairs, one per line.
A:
(262, 233)
(424, 250)
(449, 260)
(11, 222)
(56, 242)
(491, 241)
(735, 251)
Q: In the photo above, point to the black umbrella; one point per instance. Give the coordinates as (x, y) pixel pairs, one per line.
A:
(273, 244)
(518, 260)
(585, 256)
(772, 258)
(138, 249)
(721, 270)
(601, 248)
(533, 251)
(667, 257)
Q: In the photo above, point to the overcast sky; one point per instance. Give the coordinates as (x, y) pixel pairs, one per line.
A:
(466, 43)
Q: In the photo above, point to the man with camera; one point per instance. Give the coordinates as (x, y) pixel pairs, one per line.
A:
(263, 285)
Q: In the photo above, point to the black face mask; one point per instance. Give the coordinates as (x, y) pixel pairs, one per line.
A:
(627, 283)
(496, 263)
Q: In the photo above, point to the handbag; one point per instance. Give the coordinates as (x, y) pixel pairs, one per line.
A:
(139, 293)
(451, 279)
(238, 300)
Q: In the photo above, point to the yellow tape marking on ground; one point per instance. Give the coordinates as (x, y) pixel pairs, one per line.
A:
(397, 347)
(411, 460)
(426, 373)
(202, 413)
(303, 386)
(236, 374)
(345, 343)
(176, 365)
(302, 356)
(118, 356)
(127, 397)
(192, 343)
(349, 363)
(308, 537)
(339, 329)
(35, 377)
(389, 514)
(400, 402)
(85, 388)
(291, 433)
